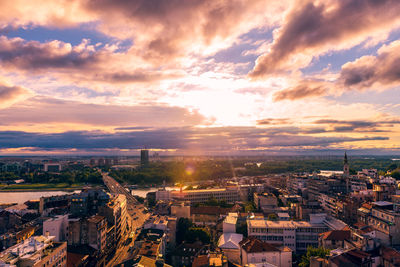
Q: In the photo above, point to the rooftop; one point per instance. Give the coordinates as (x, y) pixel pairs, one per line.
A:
(257, 223)
(254, 245)
(338, 235)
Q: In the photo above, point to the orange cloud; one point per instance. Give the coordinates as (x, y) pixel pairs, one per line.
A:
(316, 27)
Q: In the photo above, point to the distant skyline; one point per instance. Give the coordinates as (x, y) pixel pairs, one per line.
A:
(199, 77)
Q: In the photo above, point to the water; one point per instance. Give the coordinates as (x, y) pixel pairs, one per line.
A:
(21, 197)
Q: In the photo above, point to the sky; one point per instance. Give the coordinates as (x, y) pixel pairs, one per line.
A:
(199, 77)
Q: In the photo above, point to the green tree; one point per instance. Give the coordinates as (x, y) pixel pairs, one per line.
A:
(183, 226)
(194, 234)
(241, 228)
(395, 175)
(249, 207)
(312, 252)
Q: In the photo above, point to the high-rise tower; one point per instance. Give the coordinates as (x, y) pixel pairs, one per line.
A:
(144, 157)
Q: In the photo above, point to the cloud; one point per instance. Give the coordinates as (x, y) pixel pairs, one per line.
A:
(316, 27)
(307, 88)
(80, 63)
(184, 139)
(381, 71)
(358, 125)
(48, 111)
(12, 94)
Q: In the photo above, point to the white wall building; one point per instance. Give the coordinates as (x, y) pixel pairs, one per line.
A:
(255, 251)
(57, 227)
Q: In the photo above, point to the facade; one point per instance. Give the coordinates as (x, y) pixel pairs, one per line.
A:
(297, 235)
(36, 251)
(116, 214)
(228, 194)
(334, 239)
(90, 231)
(229, 223)
(229, 244)
(57, 227)
(52, 167)
(144, 157)
(266, 202)
(386, 221)
(255, 251)
(180, 210)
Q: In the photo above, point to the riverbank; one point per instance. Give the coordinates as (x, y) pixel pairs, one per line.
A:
(41, 187)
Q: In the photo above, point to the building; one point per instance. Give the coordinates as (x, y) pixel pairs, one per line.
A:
(334, 239)
(90, 231)
(180, 210)
(255, 251)
(52, 167)
(386, 221)
(116, 214)
(208, 215)
(229, 223)
(297, 235)
(229, 244)
(36, 251)
(88, 202)
(144, 157)
(265, 202)
(57, 227)
(229, 194)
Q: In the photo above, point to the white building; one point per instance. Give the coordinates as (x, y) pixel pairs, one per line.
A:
(57, 227)
(255, 251)
(229, 244)
(229, 223)
(297, 235)
(35, 251)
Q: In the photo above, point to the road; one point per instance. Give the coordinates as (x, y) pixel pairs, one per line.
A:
(137, 215)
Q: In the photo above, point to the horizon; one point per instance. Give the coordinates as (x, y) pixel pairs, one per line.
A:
(222, 78)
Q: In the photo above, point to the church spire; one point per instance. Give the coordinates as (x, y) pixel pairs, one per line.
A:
(345, 158)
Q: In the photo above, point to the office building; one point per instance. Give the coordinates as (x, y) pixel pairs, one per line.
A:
(297, 235)
(144, 157)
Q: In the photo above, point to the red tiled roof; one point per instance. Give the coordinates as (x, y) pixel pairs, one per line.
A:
(254, 245)
(336, 235)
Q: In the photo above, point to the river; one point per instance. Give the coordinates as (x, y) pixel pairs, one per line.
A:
(21, 197)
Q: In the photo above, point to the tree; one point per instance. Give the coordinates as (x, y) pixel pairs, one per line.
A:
(395, 175)
(249, 207)
(241, 228)
(312, 252)
(195, 234)
(183, 226)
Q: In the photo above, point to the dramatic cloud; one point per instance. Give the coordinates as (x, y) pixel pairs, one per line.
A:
(381, 71)
(12, 94)
(223, 139)
(315, 27)
(80, 63)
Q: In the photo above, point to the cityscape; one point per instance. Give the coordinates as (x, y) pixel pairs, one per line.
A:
(199, 133)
